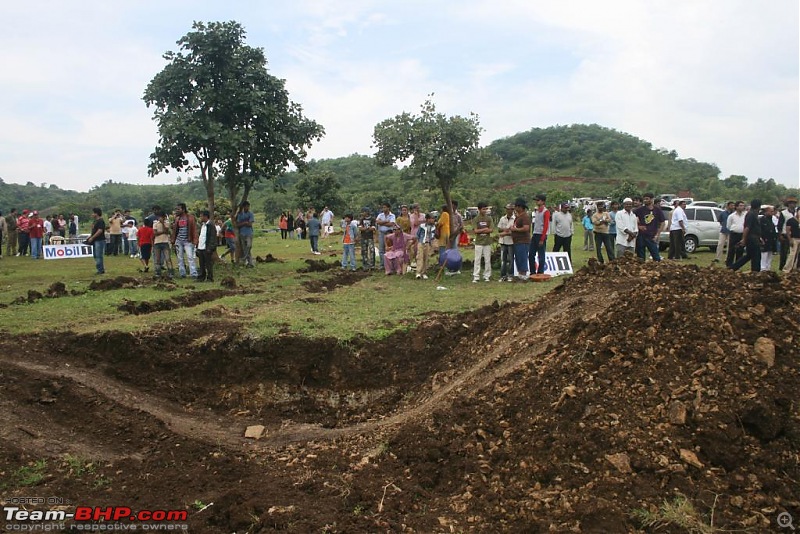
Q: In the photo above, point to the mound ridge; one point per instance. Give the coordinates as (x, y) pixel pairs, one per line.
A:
(628, 385)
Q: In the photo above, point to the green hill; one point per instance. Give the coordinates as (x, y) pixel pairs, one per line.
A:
(564, 161)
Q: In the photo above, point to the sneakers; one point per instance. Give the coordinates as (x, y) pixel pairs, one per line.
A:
(418, 277)
(408, 269)
(317, 253)
(475, 281)
(424, 276)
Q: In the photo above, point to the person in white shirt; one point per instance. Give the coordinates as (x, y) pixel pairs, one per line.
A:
(133, 238)
(627, 229)
(326, 219)
(677, 230)
(736, 227)
(563, 230)
(506, 245)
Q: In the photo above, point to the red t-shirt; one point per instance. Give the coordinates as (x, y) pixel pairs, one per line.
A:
(145, 236)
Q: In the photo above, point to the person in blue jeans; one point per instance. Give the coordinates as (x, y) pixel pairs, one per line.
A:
(349, 242)
(313, 227)
(244, 222)
(98, 239)
(521, 235)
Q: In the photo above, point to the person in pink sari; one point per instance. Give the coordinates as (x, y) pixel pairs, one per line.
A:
(395, 257)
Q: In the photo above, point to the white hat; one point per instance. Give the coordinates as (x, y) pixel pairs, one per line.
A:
(627, 199)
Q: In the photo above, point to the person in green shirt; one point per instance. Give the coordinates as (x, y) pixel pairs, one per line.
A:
(483, 226)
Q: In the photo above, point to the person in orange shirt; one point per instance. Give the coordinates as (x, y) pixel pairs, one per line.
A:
(349, 242)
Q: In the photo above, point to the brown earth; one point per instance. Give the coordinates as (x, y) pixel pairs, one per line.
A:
(628, 385)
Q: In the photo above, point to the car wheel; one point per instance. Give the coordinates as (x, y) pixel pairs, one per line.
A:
(691, 244)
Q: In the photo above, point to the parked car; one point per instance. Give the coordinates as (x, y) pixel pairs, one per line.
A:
(701, 231)
(708, 203)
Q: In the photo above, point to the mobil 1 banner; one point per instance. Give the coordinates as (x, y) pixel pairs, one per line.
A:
(557, 263)
(66, 252)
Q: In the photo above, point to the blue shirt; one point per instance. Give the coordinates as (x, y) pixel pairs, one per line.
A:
(245, 216)
(723, 222)
(313, 226)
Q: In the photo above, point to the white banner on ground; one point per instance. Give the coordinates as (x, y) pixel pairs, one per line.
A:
(556, 263)
(64, 252)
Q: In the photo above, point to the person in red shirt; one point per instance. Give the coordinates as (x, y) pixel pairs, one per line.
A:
(36, 233)
(146, 243)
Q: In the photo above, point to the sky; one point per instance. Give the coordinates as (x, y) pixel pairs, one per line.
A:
(715, 80)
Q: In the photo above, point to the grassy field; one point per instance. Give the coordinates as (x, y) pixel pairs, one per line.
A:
(273, 297)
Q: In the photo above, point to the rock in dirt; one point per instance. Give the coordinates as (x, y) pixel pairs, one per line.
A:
(677, 413)
(254, 431)
(621, 461)
(690, 458)
(765, 351)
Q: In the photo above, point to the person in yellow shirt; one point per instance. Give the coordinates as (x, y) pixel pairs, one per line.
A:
(443, 230)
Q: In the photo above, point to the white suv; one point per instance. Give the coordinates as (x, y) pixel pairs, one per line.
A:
(702, 230)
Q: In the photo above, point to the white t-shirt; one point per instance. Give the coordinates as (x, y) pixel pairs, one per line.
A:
(678, 215)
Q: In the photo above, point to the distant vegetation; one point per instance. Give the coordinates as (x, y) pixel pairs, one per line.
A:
(564, 161)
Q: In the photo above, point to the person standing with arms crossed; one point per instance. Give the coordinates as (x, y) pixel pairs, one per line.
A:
(244, 222)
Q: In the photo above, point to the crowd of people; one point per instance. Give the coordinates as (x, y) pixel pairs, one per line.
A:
(160, 234)
(412, 241)
(405, 243)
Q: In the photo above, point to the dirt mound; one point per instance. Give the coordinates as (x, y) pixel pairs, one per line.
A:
(628, 386)
(119, 282)
(318, 266)
(188, 300)
(269, 258)
(339, 279)
(662, 382)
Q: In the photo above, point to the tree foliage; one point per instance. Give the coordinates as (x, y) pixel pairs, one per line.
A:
(216, 102)
(437, 148)
(318, 190)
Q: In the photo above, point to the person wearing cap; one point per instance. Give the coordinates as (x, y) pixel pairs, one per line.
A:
(785, 241)
(244, 222)
(563, 230)
(504, 226)
(627, 229)
(521, 235)
(36, 234)
(23, 224)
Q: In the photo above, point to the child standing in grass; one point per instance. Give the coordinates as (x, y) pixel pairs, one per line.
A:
(349, 243)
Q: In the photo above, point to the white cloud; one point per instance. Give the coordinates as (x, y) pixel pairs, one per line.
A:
(716, 80)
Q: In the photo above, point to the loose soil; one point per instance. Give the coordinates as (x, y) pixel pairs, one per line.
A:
(628, 385)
